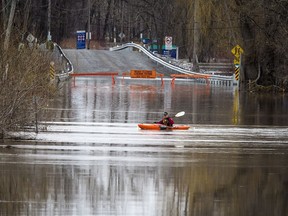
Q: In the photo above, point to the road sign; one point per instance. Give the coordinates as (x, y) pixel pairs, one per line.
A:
(143, 74)
(122, 35)
(237, 51)
(236, 60)
(81, 39)
(168, 42)
(30, 38)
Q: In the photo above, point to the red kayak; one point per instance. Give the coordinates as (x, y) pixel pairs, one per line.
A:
(147, 126)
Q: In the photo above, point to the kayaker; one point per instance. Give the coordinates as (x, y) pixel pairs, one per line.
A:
(166, 120)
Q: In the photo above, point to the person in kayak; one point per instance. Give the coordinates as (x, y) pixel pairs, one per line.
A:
(166, 120)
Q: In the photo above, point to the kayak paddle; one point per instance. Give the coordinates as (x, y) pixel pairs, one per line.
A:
(179, 114)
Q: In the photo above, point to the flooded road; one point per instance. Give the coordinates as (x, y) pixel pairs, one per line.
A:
(90, 158)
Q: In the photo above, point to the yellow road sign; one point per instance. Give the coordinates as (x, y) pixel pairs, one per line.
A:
(236, 61)
(237, 51)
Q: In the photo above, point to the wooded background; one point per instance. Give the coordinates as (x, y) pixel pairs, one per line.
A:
(202, 29)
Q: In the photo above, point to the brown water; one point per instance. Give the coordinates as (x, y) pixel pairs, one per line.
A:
(91, 159)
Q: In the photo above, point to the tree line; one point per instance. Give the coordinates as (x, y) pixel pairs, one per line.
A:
(201, 29)
(25, 85)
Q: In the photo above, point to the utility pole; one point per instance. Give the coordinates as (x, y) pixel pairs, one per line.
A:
(49, 21)
(89, 24)
(196, 28)
(122, 18)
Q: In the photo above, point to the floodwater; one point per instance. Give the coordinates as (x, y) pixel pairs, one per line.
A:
(90, 158)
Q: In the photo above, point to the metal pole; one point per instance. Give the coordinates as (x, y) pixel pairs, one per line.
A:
(49, 21)
(122, 18)
(195, 36)
(89, 25)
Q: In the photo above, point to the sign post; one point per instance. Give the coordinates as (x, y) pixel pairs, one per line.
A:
(52, 70)
(237, 51)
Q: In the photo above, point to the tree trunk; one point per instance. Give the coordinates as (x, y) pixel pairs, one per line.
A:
(232, 33)
(4, 16)
(249, 62)
(9, 26)
(26, 16)
(106, 19)
(250, 57)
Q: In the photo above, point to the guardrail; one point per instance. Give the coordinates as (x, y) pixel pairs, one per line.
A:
(66, 67)
(214, 79)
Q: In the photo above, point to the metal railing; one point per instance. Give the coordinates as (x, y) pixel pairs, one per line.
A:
(214, 79)
(66, 66)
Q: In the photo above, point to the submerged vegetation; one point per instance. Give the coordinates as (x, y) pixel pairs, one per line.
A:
(25, 87)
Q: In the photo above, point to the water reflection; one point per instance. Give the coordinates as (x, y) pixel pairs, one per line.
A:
(264, 109)
(92, 160)
(210, 184)
(142, 101)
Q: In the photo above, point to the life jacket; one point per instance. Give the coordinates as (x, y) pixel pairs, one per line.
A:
(168, 121)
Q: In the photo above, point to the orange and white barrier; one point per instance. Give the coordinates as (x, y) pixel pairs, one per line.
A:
(112, 74)
(190, 76)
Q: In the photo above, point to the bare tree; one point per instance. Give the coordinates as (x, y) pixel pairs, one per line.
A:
(202, 29)
(9, 25)
(263, 29)
(22, 85)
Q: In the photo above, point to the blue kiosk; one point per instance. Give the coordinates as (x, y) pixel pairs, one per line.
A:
(81, 39)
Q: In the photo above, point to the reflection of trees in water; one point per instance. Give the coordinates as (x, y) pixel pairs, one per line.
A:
(263, 109)
(214, 184)
(231, 190)
(20, 188)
